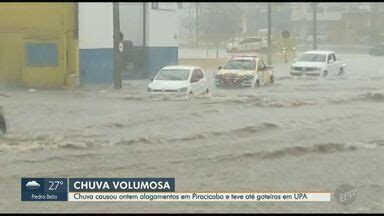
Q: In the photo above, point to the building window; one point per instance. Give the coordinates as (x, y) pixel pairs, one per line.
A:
(40, 54)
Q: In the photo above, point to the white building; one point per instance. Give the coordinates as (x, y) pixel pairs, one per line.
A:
(151, 27)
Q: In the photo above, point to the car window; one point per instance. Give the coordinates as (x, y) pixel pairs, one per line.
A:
(240, 64)
(330, 58)
(312, 57)
(334, 57)
(262, 62)
(197, 74)
(251, 40)
(260, 65)
(245, 41)
(172, 74)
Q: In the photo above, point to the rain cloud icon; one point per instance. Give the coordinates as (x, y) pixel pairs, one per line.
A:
(32, 185)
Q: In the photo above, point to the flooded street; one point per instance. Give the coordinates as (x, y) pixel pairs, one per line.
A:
(297, 135)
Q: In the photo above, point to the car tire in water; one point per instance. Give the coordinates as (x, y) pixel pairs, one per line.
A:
(206, 92)
(257, 83)
(325, 74)
(190, 95)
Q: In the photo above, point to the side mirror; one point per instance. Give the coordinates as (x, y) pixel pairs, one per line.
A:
(220, 67)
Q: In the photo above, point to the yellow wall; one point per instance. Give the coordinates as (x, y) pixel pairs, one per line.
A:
(36, 22)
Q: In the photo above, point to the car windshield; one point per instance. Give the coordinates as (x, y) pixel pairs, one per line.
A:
(312, 58)
(240, 64)
(173, 74)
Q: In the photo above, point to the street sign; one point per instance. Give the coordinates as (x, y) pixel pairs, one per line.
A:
(121, 47)
(285, 34)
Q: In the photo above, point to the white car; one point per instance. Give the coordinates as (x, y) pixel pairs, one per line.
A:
(248, 44)
(318, 63)
(179, 81)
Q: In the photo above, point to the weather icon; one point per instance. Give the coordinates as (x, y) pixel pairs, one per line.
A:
(32, 185)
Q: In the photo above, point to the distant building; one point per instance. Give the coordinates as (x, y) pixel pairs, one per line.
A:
(339, 21)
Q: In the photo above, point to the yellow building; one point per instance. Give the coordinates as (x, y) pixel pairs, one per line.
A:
(38, 44)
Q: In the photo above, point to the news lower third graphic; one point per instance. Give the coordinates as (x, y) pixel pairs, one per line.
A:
(44, 189)
(144, 189)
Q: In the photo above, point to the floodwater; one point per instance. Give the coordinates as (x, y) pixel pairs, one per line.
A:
(297, 135)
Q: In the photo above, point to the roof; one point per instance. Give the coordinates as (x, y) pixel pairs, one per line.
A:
(181, 67)
(325, 52)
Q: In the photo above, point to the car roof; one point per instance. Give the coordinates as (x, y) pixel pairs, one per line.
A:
(244, 56)
(255, 37)
(326, 52)
(181, 67)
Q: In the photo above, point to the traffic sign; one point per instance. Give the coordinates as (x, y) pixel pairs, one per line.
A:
(121, 47)
(285, 34)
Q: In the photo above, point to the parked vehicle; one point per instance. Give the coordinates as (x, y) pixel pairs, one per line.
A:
(320, 37)
(179, 81)
(248, 44)
(244, 71)
(377, 50)
(318, 63)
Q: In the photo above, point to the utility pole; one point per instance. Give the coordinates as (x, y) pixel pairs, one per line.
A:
(314, 37)
(197, 24)
(117, 83)
(269, 58)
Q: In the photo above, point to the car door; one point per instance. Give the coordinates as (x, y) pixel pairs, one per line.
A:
(260, 72)
(266, 72)
(196, 81)
(331, 64)
(201, 82)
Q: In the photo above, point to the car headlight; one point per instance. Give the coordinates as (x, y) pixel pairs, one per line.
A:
(183, 89)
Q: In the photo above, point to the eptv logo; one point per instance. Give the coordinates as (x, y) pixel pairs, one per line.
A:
(345, 194)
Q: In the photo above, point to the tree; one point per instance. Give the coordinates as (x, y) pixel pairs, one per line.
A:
(218, 23)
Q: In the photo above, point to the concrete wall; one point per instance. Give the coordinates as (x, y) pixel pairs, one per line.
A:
(131, 22)
(161, 40)
(96, 43)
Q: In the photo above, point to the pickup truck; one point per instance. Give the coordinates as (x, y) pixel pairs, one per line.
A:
(318, 63)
